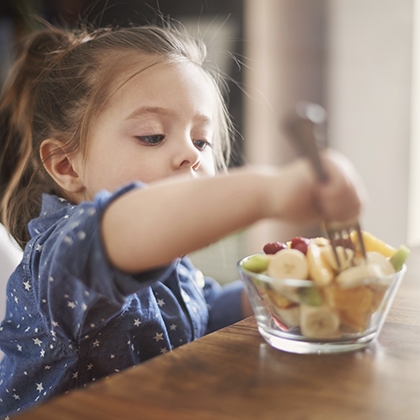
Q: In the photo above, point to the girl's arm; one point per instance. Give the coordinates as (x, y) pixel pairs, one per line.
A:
(150, 227)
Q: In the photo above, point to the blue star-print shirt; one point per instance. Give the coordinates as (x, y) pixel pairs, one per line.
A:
(72, 318)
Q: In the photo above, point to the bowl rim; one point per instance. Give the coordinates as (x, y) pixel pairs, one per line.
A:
(306, 283)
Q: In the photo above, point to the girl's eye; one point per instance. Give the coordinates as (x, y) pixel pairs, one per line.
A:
(201, 144)
(152, 140)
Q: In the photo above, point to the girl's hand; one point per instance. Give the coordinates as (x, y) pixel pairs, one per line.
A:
(296, 195)
(342, 196)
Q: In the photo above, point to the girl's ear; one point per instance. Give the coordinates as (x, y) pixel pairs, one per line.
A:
(60, 166)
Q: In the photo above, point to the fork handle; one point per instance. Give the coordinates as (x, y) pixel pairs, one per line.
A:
(301, 130)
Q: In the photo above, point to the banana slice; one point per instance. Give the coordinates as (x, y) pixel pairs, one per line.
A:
(386, 267)
(320, 271)
(383, 262)
(288, 264)
(377, 267)
(358, 275)
(278, 299)
(321, 241)
(288, 316)
(319, 321)
(345, 255)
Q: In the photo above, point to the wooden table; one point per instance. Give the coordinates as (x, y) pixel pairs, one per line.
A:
(234, 374)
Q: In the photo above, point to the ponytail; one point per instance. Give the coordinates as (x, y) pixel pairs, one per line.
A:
(22, 177)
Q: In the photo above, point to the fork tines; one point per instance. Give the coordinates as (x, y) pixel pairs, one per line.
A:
(339, 234)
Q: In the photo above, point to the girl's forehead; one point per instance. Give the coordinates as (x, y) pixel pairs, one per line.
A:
(158, 81)
(153, 64)
(154, 71)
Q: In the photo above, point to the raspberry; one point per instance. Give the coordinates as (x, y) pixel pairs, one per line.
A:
(273, 247)
(300, 244)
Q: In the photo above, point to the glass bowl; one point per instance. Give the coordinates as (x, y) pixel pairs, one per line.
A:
(298, 317)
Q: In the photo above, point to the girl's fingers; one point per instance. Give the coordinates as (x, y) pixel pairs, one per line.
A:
(342, 197)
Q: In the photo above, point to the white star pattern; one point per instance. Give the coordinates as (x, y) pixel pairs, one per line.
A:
(39, 387)
(68, 240)
(71, 305)
(137, 322)
(89, 366)
(96, 343)
(27, 285)
(160, 302)
(172, 327)
(74, 225)
(81, 235)
(158, 337)
(164, 350)
(37, 341)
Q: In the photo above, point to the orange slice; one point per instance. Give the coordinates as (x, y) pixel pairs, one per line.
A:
(372, 243)
(354, 305)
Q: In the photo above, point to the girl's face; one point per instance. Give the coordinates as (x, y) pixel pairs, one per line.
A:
(159, 124)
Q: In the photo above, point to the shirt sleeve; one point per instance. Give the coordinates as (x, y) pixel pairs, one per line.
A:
(224, 303)
(79, 250)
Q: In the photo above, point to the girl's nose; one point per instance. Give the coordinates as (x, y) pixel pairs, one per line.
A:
(187, 156)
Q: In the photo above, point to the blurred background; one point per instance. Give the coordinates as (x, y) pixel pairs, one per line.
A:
(360, 59)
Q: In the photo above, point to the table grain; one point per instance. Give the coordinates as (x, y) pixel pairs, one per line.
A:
(234, 374)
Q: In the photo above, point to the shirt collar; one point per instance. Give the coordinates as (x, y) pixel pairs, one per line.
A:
(53, 208)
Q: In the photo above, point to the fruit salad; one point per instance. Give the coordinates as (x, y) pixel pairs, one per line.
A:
(332, 299)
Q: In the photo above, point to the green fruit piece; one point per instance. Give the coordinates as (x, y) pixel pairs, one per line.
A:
(256, 263)
(310, 296)
(398, 259)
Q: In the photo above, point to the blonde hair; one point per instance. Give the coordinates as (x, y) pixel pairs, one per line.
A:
(57, 87)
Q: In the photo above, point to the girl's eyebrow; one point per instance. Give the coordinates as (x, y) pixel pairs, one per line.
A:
(157, 110)
(145, 110)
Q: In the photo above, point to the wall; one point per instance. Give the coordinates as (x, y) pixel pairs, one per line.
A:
(355, 58)
(369, 86)
(285, 50)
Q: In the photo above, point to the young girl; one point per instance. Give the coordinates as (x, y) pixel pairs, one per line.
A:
(109, 150)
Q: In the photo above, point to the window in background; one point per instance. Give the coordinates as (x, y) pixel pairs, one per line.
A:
(413, 230)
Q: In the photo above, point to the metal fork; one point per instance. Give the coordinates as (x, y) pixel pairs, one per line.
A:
(307, 130)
